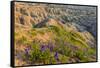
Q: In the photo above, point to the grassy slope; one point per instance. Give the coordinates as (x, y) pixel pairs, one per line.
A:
(70, 45)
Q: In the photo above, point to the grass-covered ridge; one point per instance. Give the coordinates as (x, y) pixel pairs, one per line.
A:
(54, 44)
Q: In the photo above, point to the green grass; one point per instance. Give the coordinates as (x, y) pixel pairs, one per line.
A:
(65, 43)
(72, 37)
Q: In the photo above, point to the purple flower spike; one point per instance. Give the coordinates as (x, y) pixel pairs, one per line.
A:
(27, 51)
(43, 48)
(56, 56)
(48, 46)
(51, 48)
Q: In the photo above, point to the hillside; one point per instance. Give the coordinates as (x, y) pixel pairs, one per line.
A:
(49, 34)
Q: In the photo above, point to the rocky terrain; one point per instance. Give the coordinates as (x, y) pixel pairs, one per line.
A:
(53, 34)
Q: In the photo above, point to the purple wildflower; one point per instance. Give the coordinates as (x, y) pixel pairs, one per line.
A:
(27, 51)
(43, 48)
(50, 46)
(56, 56)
